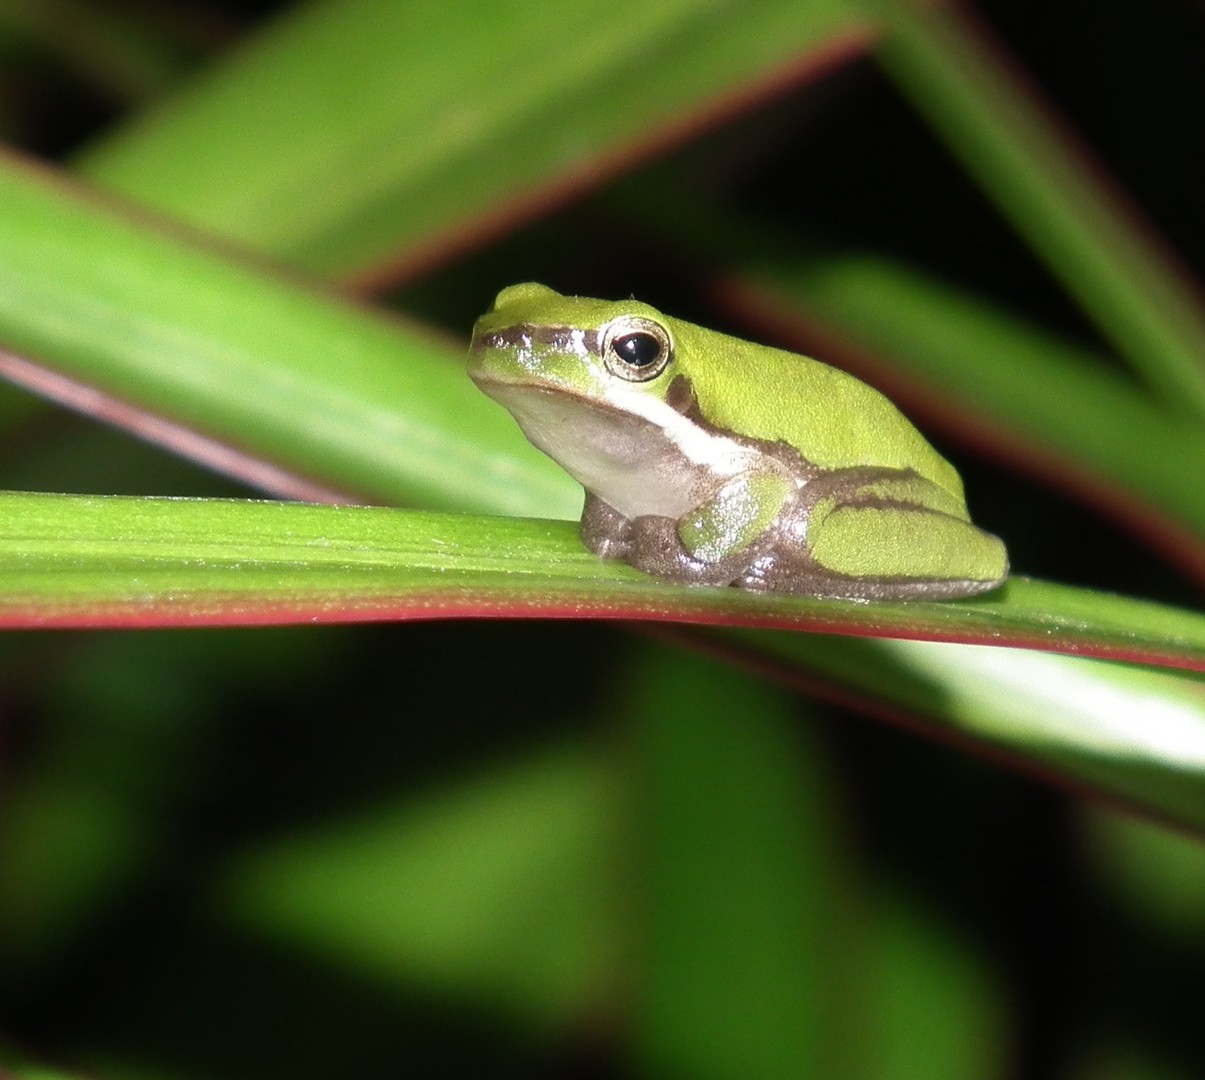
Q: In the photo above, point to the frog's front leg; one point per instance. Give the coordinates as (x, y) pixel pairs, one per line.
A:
(879, 534)
(604, 530)
(713, 544)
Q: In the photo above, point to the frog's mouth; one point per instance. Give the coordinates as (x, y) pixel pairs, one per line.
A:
(512, 353)
(524, 336)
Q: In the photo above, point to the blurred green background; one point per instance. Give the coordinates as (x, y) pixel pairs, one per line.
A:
(571, 849)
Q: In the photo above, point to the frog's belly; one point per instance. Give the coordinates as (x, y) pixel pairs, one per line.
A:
(639, 466)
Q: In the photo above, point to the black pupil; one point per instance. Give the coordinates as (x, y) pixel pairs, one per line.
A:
(637, 350)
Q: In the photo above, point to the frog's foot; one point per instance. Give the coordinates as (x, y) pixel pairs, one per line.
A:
(604, 530)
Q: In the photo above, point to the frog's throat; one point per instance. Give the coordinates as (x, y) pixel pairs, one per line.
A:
(641, 459)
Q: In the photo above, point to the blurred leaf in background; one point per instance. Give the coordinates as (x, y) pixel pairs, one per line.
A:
(568, 849)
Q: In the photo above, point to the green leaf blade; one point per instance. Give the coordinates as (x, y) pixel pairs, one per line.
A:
(279, 371)
(1131, 289)
(116, 561)
(454, 119)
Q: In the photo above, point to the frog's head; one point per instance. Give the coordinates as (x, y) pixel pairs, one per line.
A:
(618, 353)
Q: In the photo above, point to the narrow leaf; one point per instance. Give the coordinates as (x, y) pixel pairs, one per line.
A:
(1126, 732)
(371, 132)
(1130, 288)
(161, 333)
(81, 560)
(747, 919)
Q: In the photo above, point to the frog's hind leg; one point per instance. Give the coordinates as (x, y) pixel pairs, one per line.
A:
(881, 534)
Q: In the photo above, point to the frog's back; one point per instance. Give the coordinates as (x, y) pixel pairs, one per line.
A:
(834, 420)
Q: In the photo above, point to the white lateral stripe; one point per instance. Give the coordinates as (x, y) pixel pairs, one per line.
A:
(702, 448)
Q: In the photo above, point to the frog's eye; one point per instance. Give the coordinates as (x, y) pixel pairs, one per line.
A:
(636, 349)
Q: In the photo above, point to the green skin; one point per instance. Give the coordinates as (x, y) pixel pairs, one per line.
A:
(711, 460)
